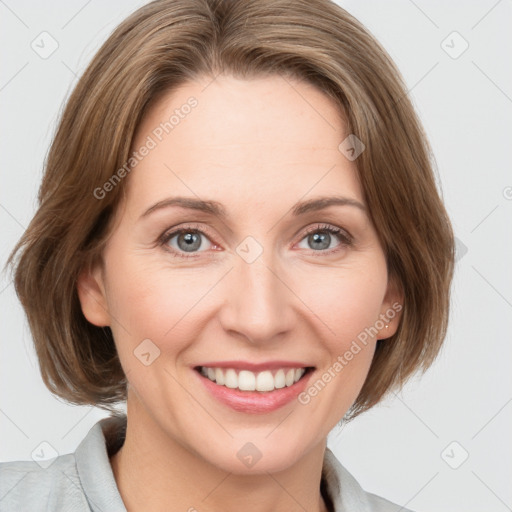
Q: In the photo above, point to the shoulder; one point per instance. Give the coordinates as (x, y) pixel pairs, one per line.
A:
(54, 485)
(346, 493)
(75, 482)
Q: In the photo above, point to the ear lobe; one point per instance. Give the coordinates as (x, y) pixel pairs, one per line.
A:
(391, 310)
(91, 293)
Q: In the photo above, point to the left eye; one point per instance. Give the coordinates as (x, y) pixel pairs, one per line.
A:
(319, 239)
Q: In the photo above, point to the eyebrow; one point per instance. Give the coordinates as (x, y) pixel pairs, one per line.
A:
(217, 209)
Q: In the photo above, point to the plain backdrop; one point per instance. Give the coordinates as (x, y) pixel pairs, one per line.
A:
(443, 443)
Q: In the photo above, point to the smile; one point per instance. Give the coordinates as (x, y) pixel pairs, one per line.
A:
(246, 380)
(254, 388)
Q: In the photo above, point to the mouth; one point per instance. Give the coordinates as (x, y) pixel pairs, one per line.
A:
(254, 388)
(264, 381)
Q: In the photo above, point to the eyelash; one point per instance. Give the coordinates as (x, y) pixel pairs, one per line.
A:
(344, 237)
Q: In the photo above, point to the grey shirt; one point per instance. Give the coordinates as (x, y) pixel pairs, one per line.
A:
(84, 481)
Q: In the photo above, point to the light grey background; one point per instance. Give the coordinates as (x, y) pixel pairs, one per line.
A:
(401, 449)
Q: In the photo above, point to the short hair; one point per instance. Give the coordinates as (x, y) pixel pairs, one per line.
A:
(162, 46)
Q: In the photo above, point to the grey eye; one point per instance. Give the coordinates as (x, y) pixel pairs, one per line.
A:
(319, 241)
(186, 240)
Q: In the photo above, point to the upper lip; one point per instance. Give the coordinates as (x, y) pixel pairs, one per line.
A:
(255, 367)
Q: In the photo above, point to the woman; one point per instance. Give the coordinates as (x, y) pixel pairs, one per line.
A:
(239, 234)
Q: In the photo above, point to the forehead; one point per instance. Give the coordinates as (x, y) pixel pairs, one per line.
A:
(242, 139)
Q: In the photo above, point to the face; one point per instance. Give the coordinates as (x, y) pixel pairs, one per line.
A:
(224, 266)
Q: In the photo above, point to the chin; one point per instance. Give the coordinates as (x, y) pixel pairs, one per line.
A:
(257, 454)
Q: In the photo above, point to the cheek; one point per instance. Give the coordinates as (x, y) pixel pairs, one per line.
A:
(347, 305)
(151, 301)
(348, 308)
(346, 301)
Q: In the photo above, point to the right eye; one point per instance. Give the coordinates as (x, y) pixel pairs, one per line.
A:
(186, 240)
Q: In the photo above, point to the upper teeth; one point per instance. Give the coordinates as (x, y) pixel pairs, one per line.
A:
(246, 380)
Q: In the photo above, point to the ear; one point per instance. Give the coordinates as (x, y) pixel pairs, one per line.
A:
(91, 293)
(391, 310)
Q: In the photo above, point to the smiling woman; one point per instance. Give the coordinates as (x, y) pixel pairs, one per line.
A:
(269, 262)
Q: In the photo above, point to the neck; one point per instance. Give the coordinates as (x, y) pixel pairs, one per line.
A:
(153, 472)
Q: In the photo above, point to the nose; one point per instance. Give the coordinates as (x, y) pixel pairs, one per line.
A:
(258, 304)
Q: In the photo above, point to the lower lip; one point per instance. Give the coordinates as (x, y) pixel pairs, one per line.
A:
(255, 402)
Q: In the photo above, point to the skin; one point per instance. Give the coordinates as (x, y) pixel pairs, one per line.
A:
(258, 147)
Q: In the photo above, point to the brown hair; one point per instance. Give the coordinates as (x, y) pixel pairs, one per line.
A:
(165, 44)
